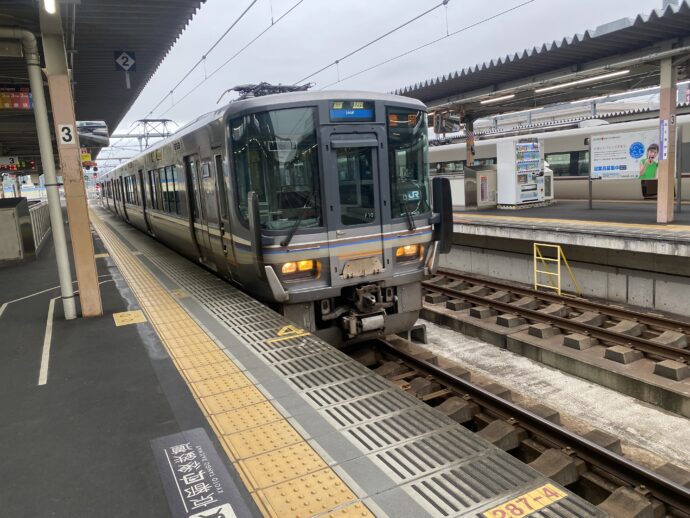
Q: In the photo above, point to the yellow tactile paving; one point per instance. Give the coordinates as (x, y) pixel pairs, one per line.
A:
(285, 476)
(219, 385)
(232, 400)
(210, 371)
(244, 418)
(282, 465)
(261, 439)
(126, 318)
(459, 218)
(306, 496)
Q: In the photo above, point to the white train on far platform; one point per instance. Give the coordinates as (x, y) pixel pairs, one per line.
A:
(567, 152)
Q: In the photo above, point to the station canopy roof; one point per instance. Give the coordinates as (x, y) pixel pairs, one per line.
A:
(93, 30)
(616, 57)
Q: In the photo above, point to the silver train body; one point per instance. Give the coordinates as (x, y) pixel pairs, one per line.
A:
(567, 151)
(316, 203)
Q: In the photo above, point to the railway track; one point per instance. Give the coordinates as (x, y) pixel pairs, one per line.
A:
(656, 336)
(591, 470)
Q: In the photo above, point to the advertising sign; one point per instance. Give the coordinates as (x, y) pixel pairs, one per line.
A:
(15, 97)
(618, 156)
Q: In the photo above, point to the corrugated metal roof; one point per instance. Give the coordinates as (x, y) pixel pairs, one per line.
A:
(622, 36)
(97, 28)
(557, 124)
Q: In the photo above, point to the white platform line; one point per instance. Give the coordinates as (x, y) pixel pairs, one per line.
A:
(2, 308)
(45, 357)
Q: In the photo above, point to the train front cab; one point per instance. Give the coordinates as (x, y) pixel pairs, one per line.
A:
(354, 270)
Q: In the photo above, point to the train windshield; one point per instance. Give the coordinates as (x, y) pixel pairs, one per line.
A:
(408, 146)
(275, 154)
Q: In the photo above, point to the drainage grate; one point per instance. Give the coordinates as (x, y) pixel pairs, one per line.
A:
(397, 428)
(347, 390)
(367, 408)
(465, 488)
(309, 363)
(429, 453)
(329, 375)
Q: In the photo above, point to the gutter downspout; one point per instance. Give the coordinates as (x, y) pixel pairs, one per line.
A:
(33, 62)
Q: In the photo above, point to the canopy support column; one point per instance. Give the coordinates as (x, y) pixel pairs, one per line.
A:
(70, 167)
(667, 141)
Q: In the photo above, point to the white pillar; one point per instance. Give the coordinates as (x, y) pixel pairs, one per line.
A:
(45, 144)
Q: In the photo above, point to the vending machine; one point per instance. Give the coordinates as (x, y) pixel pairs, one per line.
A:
(520, 171)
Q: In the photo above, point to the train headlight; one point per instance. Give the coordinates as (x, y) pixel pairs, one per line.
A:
(304, 268)
(289, 268)
(409, 253)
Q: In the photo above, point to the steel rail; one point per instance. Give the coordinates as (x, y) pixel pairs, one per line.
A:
(578, 303)
(603, 334)
(662, 488)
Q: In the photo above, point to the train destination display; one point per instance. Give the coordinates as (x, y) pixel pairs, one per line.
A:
(628, 155)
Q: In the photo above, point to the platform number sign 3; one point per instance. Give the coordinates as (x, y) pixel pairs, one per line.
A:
(66, 134)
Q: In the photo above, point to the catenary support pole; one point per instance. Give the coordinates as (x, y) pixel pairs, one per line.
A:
(45, 144)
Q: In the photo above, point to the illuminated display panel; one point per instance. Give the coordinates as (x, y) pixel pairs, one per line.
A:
(352, 111)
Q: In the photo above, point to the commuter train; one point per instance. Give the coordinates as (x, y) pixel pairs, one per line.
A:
(567, 152)
(318, 203)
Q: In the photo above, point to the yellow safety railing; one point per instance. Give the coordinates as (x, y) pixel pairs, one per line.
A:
(554, 277)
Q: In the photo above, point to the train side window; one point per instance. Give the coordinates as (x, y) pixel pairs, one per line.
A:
(222, 192)
(165, 205)
(135, 190)
(569, 163)
(157, 190)
(152, 190)
(180, 190)
(172, 192)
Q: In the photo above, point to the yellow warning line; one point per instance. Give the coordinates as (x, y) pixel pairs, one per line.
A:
(284, 474)
(462, 218)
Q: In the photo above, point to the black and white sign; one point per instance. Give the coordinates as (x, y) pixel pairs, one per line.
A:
(194, 477)
(125, 60)
(66, 134)
(9, 160)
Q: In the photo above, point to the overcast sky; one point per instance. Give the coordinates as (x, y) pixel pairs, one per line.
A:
(318, 32)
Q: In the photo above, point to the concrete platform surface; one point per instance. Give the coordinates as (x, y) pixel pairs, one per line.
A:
(189, 398)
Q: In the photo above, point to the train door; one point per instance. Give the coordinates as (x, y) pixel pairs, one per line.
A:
(223, 216)
(194, 171)
(354, 211)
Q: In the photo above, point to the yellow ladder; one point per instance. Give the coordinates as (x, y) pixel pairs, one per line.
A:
(545, 260)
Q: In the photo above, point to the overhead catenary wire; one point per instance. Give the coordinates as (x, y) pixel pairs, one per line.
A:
(375, 40)
(202, 59)
(236, 54)
(428, 44)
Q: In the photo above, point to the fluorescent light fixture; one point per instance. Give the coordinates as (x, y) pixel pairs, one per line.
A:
(582, 81)
(497, 99)
(50, 6)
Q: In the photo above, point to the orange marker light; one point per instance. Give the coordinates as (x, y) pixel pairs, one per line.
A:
(305, 265)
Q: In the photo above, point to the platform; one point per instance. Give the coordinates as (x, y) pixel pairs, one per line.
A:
(616, 250)
(629, 226)
(299, 427)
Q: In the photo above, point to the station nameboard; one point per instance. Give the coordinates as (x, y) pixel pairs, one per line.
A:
(628, 155)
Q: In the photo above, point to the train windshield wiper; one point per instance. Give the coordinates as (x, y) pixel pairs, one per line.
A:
(305, 207)
(410, 221)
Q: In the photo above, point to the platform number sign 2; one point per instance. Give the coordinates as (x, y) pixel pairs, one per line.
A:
(125, 60)
(66, 134)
